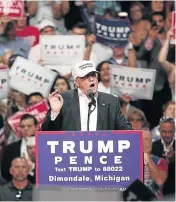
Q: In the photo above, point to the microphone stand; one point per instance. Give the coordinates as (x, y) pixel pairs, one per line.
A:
(90, 111)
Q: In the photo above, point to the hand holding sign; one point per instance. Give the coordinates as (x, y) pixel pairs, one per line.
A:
(56, 101)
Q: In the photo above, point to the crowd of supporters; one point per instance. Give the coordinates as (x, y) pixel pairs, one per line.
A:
(148, 47)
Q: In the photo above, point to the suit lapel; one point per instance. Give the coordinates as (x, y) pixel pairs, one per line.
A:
(75, 110)
(101, 107)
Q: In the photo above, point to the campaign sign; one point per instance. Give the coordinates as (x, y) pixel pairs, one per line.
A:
(4, 82)
(38, 110)
(62, 49)
(137, 82)
(12, 8)
(89, 159)
(28, 77)
(112, 32)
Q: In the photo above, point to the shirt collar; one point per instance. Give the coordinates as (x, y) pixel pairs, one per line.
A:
(28, 186)
(81, 94)
(166, 148)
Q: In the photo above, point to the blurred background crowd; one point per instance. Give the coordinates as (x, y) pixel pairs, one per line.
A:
(149, 47)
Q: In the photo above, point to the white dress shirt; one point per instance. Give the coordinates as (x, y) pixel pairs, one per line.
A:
(83, 105)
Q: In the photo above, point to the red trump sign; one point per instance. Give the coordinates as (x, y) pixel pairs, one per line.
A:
(12, 8)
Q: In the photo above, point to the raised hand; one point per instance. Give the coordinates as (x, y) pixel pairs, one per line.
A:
(56, 101)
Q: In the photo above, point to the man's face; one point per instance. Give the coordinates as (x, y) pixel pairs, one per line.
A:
(31, 152)
(48, 31)
(167, 131)
(22, 22)
(136, 13)
(160, 22)
(157, 6)
(79, 31)
(34, 100)
(90, 81)
(27, 127)
(118, 51)
(19, 169)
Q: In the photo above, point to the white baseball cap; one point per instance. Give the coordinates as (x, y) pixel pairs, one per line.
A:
(45, 23)
(83, 68)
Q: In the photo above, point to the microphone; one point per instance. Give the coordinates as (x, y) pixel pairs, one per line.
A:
(91, 94)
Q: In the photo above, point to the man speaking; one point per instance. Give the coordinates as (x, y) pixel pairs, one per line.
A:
(84, 108)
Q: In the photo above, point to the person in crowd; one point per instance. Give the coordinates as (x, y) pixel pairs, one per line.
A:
(101, 6)
(149, 51)
(124, 56)
(155, 167)
(11, 42)
(34, 98)
(140, 27)
(28, 32)
(19, 188)
(169, 66)
(61, 84)
(165, 147)
(103, 77)
(46, 27)
(137, 119)
(28, 127)
(3, 22)
(94, 51)
(108, 116)
(104, 86)
(157, 6)
(168, 111)
(53, 11)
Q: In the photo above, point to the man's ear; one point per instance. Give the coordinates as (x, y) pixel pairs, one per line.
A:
(10, 170)
(76, 84)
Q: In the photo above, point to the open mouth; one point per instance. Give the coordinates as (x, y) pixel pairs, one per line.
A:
(92, 85)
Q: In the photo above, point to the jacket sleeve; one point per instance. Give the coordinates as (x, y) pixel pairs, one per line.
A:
(49, 125)
(120, 121)
(5, 164)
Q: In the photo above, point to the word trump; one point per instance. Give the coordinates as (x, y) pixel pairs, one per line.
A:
(133, 82)
(112, 31)
(69, 146)
(101, 147)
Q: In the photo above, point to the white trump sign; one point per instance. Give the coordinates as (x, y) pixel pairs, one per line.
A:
(137, 82)
(28, 77)
(61, 49)
(4, 82)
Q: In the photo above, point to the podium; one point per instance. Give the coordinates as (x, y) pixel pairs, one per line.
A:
(95, 165)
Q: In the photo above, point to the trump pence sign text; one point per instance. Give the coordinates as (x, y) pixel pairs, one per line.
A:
(89, 159)
(112, 32)
(62, 49)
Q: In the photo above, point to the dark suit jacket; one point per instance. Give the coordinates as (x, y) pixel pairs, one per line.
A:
(11, 151)
(169, 185)
(109, 113)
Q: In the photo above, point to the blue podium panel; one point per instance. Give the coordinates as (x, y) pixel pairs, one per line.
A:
(89, 159)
